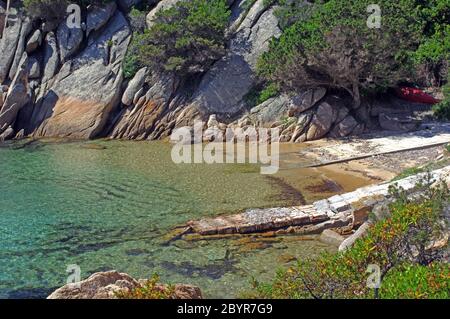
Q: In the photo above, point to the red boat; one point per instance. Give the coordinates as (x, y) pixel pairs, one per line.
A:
(415, 95)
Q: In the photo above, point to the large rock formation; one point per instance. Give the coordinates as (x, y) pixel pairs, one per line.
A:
(87, 88)
(106, 285)
(224, 87)
(73, 86)
(2, 16)
(16, 97)
(8, 43)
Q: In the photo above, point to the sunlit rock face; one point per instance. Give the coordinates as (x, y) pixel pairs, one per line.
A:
(73, 78)
(73, 85)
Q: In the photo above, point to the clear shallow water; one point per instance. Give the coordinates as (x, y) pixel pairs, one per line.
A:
(110, 207)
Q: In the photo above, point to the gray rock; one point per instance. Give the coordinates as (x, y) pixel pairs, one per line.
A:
(350, 241)
(303, 102)
(98, 16)
(138, 121)
(8, 44)
(223, 88)
(302, 123)
(331, 237)
(34, 68)
(2, 16)
(345, 127)
(134, 86)
(24, 32)
(138, 95)
(212, 121)
(321, 122)
(7, 134)
(269, 111)
(106, 285)
(51, 57)
(18, 95)
(20, 135)
(34, 42)
(103, 285)
(82, 96)
(399, 122)
(69, 41)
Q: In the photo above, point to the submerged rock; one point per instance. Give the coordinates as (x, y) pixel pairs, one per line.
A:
(331, 237)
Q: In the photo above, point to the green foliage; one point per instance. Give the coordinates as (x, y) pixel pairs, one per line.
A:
(47, 10)
(398, 245)
(137, 20)
(442, 110)
(259, 95)
(417, 282)
(151, 289)
(55, 10)
(329, 44)
(435, 40)
(185, 39)
(409, 172)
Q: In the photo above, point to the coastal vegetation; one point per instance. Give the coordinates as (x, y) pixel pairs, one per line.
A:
(54, 11)
(401, 244)
(184, 39)
(151, 289)
(330, 44)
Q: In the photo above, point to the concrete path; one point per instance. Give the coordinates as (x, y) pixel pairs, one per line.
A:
(433, 134)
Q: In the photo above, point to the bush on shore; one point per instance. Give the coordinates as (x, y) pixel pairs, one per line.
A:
(185, 39)
(151, 289)
(55, 11)
(399, 245)
(330, 44)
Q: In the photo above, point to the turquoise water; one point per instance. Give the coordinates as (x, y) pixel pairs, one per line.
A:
(109, 205)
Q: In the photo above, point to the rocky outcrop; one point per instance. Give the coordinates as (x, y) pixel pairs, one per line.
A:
(106, 285)
(51, 57)
(8, 43)
(20, 49)
(16, 97)
(223, 88)
(135, 88)
(74, 84)
(98, 16)
(141, 119)
(85, 91)
(2, 16)
(307, 116)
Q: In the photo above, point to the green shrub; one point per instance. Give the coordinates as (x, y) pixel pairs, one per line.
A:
(435, 40)
(330, 44)
(55, 10)
(442, 110)
(394, 244)
(259, 94)
(417, 282)
(137, 20)
(185, 39)
(151, 289)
